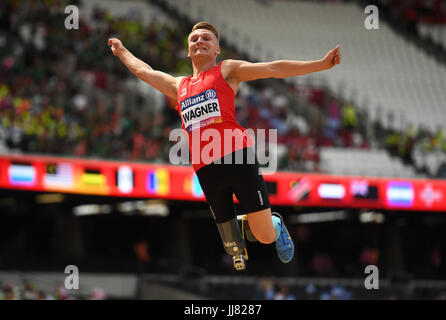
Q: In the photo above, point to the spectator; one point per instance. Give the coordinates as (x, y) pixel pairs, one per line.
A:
(264, 289)
(98, 294)
(350, 122)
(322, 264)
(30, 292)
(283, 293)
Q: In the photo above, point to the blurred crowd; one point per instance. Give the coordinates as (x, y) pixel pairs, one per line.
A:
(62, 92)
(413, 11)
(27, 290)
(406, 15)
(265, 288)
(271, 288)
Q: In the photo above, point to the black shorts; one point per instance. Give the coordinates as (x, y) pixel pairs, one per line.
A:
(220, 181)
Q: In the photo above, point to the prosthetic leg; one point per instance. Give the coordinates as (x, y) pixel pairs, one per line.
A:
(234, 243)
(234, 240)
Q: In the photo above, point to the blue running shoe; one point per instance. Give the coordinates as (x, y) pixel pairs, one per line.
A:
(284, 243)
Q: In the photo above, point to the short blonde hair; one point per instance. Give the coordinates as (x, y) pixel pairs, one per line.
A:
(207, 26)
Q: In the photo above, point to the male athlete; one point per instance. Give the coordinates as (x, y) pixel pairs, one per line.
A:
(205, 103)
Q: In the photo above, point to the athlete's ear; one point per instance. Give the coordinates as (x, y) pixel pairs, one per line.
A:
(218, 50)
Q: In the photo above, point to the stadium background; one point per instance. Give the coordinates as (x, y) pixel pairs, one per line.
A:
(380, 114)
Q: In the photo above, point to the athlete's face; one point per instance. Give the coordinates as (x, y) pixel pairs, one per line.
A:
(203, 43)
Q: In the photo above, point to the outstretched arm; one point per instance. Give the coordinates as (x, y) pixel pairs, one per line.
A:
(247, 71)
(164, 82)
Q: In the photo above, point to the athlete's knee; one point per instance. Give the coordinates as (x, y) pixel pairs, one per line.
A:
(259, 232)
(261, 226)
(265, 237)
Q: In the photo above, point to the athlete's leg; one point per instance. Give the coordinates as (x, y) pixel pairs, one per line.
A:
(219, 196)
(233, 242)
(267, 227)
(250, 189)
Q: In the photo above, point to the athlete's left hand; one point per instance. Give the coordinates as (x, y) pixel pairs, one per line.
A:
(332, 58)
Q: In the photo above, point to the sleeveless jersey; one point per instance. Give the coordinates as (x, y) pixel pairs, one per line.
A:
(207, 110)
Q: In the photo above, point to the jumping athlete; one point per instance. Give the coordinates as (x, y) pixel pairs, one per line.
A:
(205, 103)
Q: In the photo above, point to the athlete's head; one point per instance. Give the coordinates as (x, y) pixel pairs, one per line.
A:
(203, 41)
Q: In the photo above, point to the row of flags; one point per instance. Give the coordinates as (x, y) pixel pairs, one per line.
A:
(62, 176)
(397, 193)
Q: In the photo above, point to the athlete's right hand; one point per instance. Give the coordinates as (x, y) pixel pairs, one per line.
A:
(116, 45)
